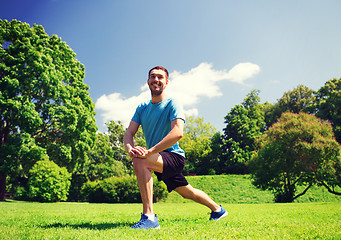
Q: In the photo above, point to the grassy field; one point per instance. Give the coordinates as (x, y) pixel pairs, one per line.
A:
(25, 220)
(316, 215)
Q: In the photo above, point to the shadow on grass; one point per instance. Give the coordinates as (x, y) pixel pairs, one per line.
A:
(90, 226)
(105, 226)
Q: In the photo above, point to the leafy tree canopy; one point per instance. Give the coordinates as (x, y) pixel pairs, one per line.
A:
(300, 99)
(329, 105)
(116, 133)
(244, 124)
(196, 143)
(43, 96)
(101, 162)
(299, 149)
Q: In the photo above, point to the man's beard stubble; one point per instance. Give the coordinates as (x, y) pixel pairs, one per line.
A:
(156, 93)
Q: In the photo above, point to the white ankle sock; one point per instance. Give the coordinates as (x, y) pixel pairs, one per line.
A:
(150, 217)
(218, 210)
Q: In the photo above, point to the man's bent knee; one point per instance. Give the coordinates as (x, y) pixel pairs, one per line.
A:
(153, 163)
(138, 163)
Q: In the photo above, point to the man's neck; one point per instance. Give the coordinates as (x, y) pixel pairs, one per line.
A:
(158, 99)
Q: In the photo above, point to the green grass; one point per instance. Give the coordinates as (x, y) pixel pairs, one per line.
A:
(26, 220)
(316, 215)
(239, 189)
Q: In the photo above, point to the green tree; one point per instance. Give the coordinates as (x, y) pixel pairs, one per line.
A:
(101, 161)
(196, 143)
(299, 149)
(329, 105)
(100, 164)
(116, 133)
(300, 99)
(106, 159)
(43, 97)
(17, 156)
(215, 157)
(139, 139)
(244, 124)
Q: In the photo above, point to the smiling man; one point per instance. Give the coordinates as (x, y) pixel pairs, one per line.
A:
(162, 121)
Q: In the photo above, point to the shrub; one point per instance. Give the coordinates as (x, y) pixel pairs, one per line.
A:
(48, 182)
(77, 181)
(21, 193)
(120, 190)
(159, 191)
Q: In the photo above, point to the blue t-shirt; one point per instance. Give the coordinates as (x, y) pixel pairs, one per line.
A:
(156, 119)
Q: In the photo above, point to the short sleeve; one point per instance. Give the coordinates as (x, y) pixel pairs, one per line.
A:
(137, 116)
(177, 111)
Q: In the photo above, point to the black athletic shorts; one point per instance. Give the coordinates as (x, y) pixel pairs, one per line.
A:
(173, 165)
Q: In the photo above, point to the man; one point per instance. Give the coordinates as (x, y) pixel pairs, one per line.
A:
(162, 122)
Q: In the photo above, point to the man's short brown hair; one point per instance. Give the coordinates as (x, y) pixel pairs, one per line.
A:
(159, 68)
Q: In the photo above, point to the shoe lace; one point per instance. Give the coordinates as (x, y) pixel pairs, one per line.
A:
(139, 223)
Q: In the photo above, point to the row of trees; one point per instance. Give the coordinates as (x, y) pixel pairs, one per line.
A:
(47, 124)
(289, 143)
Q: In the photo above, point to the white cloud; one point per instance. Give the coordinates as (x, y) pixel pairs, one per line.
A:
(192, 112)
(242, 71)
(198, 82)
(202, 81)
(188, 88)
(115, 107)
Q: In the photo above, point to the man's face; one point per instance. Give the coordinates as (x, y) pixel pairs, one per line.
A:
(157, 81)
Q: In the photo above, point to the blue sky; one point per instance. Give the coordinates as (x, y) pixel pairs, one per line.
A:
(217, 51)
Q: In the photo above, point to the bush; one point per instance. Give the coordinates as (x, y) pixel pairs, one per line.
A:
(120, 190)
(21, 193)
(48, 182)
(77, 181)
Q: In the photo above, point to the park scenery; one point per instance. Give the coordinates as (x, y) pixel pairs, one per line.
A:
(275, 167)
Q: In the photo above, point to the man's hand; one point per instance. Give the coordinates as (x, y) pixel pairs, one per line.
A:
(139, 152)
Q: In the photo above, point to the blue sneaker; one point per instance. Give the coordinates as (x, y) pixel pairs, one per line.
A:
(145, 223)
(218, 215)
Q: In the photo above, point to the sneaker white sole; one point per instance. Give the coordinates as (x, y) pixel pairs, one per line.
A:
(222, 216)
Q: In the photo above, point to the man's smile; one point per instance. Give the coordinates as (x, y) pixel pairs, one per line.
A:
(155, 84)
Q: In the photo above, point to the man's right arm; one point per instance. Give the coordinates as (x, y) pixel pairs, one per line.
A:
(128, 138)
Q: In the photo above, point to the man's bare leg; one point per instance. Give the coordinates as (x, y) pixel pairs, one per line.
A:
(142, 168)
(145, 183)
(198, 196)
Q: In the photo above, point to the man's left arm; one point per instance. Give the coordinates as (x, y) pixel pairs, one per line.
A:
(176, 133)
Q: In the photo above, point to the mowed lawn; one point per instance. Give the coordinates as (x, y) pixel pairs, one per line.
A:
(27, 220)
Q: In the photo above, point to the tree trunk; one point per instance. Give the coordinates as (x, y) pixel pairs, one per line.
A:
(2, 187)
